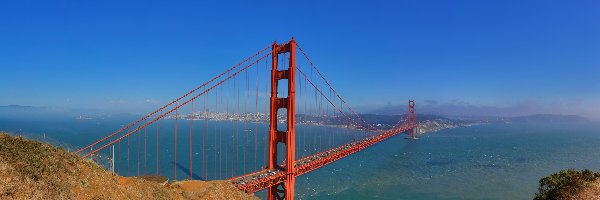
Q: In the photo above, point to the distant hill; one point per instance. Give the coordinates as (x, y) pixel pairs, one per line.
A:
(52, 112)
(549, 118)
(19, 107)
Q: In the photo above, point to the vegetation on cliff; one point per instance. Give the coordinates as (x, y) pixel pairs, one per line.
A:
(34, 170)
(570, 184)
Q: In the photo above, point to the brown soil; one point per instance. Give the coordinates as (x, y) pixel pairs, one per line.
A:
(34, 170)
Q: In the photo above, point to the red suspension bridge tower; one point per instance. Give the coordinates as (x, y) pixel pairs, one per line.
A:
(412, 120)
(283, 190)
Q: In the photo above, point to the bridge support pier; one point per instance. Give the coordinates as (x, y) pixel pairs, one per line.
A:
(283, 190)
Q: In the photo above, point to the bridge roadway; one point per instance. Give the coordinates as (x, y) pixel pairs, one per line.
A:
(265, 178)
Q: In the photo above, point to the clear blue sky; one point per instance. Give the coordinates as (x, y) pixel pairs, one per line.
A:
(517, 56)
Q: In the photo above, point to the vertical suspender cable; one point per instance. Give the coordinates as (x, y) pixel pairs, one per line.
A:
(220, 137)
(128, 153)
(215, 138)
(175, 142)
(305, 119)
(227, 141)
(245, 123)
(156, 141)
(192, 118)
(255, 132)
(138, 153)
(204, 138)
(119, 157)
(237, 157)
(145, 153)
(266, 132)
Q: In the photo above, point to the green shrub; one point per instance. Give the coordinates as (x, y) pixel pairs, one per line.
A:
(565, 184)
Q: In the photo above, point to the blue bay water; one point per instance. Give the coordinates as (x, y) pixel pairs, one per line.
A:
(494, 161)
(491, 161)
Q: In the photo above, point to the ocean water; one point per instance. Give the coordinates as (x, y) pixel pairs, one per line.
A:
(490, 161)
(493, 161)
(219, 148)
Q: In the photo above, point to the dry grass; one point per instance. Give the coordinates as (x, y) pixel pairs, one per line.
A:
(34, 170)
(209, 190)
(592, 192)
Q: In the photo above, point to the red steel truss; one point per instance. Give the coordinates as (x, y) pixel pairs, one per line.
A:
(260, 180)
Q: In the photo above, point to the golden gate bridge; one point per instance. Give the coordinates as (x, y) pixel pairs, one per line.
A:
(260, 124)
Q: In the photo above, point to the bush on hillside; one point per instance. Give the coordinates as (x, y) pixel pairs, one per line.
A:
(565, 184)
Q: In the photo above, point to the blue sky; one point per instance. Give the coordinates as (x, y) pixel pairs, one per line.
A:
(521, 57)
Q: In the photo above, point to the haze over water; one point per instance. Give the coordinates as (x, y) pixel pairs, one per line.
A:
(490, 161)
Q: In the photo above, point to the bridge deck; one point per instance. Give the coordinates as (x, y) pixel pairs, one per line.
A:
(263, 179)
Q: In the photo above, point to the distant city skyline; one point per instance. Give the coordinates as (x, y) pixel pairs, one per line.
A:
(503, 58)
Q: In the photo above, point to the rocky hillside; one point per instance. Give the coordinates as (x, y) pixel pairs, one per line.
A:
(34, 170)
